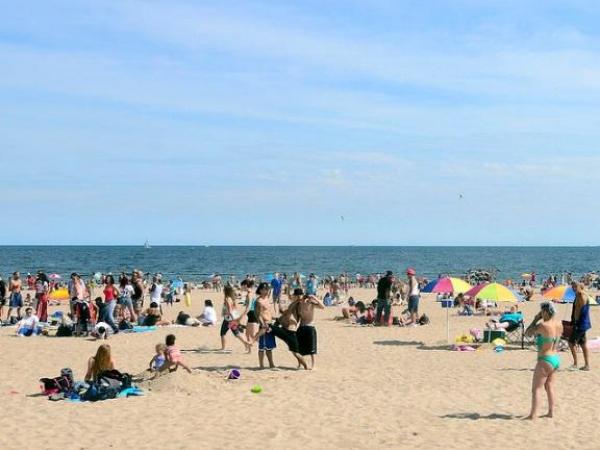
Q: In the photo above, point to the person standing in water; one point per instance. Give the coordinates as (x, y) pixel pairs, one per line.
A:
(581, 323)
(547, 331)
(307, 333)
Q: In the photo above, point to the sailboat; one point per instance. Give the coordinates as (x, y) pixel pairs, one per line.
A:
(147, 244)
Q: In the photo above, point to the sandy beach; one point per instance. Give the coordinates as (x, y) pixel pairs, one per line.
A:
(373, 388)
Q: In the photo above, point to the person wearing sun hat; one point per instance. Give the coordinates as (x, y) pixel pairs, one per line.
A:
(414, 294)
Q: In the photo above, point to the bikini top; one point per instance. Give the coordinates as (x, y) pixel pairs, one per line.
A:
(541, 340)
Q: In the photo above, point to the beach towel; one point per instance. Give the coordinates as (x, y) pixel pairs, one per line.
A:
(141, 329)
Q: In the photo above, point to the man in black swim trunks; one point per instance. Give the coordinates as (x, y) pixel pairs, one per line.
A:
(285, 326)
(307, 333)
(384, 295)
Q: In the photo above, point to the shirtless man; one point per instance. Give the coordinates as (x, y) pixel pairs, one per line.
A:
(285, 327)
(307, 333)
(16, 298)
(266, 339)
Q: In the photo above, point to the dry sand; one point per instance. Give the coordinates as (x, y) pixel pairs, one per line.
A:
(373, 388)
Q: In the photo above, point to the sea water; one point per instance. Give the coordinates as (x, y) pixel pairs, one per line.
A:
(198, 263)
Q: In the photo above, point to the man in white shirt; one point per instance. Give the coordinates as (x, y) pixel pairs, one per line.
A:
(156, 292)
(28, 325)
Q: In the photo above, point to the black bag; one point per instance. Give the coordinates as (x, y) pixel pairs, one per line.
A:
(64, 383)
(64, 331)
(123, 378)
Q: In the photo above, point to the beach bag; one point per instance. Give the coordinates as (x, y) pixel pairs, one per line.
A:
(124, 379)
(64, 331)
(63, 383)
(108, 385)
(567, 329)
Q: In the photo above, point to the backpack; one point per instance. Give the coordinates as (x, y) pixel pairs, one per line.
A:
(63, 383)
(110, 375)
(108, 385)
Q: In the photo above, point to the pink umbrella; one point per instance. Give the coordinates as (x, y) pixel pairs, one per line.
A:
(54, 276)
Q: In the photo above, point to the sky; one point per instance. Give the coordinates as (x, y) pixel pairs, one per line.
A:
(454, 122)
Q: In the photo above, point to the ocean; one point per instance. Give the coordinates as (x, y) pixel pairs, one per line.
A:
(198, 263)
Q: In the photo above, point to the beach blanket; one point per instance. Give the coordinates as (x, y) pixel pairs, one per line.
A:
(140, 329)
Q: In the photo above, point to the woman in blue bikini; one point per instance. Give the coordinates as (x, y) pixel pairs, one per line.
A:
(547, 332)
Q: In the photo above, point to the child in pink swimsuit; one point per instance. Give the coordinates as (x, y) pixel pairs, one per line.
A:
(173, 356)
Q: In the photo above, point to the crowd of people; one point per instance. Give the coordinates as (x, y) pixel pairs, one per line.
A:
(258, 313)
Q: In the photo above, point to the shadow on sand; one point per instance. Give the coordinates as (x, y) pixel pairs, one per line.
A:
(400, 343)
(477, 416)
(250, 368)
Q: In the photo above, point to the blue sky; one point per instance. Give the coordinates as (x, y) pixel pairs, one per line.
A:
(243, 122)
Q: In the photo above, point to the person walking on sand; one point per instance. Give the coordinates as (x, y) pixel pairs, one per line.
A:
(384, 298)
(414, 294)
(547, 331)
(581, 323)
(276, 285)
(231, 319)
(307, 333)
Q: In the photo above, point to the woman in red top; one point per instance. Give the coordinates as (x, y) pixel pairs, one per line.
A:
(111, 293)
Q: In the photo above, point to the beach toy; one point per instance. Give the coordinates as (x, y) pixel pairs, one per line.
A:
(256, 389)
(499, 349)
(498, 342)
(234, 375)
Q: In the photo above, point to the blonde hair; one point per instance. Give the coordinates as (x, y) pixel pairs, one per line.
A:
(102, 360)
(161, 348)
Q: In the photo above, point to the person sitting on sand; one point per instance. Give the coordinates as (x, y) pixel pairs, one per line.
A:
(101, 362)
(28, 325)
(158, 360)
(173, 358)
(348, 311)
(152, 317)
(459, 300)
(208, 318)
(547, 330)
(185, 319)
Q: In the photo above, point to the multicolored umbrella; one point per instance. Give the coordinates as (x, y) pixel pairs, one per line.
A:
(54, 276)
(565, 294)
(560, 294)
(494, 292)
(447, 285)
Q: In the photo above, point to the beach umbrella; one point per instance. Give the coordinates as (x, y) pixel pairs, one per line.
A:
(54, 276)
(565, 294)
(448, 285)
(494, 292)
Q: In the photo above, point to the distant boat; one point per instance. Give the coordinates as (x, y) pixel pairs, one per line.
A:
(147, 244)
